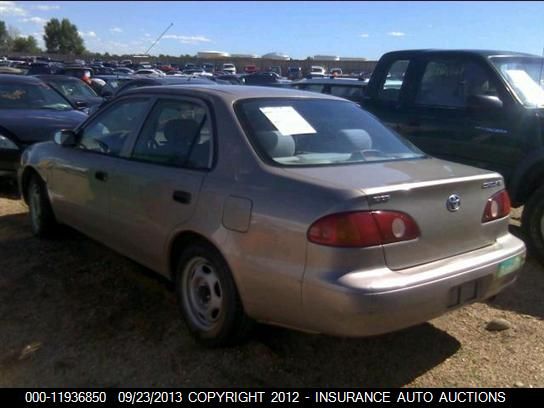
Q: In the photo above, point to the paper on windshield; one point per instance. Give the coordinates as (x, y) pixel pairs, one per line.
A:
(530, 89)
(287, 120)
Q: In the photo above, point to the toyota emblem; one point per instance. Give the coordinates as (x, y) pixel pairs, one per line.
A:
(453, 203)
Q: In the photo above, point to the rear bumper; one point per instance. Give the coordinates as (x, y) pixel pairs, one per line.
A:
(364, 303)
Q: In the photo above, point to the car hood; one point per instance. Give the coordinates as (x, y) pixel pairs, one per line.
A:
(370, 177)
(37, 125)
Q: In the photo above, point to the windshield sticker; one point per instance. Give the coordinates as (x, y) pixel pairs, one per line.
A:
(287, 120)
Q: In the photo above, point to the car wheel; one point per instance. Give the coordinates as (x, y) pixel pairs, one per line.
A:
(532, 223)
(209, 299)
(42, 219)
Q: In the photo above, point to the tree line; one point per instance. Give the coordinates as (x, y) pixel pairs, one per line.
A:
(60, 37)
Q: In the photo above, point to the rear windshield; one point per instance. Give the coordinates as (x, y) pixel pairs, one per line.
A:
(308, 132)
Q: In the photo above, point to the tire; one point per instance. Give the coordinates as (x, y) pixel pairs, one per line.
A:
(208, 298)
(532, 224)
(42, 219)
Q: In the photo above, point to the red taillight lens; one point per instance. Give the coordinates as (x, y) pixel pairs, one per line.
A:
(498, 206)
(395, 226)
(363, 229)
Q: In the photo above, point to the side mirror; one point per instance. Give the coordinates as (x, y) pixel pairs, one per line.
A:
(484, 103)
(65, 138)
(106, 94)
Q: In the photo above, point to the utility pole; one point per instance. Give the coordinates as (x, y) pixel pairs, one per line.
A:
(157, 40)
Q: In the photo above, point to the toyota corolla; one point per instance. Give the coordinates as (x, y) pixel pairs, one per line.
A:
(279, 206)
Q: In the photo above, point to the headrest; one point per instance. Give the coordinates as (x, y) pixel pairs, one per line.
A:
(276, 144)
(359, 138)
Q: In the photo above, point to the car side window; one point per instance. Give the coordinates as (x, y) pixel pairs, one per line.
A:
(109, 131)
(313, 88)
(449, 83)
(177, 133)
(389, 90)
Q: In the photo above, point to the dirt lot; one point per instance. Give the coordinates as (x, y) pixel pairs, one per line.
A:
(74, 313)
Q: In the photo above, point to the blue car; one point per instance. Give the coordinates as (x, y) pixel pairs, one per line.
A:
(30, 111)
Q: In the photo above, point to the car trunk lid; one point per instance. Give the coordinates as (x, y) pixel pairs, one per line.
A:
(448, 214)
(421, 189)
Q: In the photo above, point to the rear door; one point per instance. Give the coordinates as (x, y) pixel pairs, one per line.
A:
(387, 95)
(80, 178)
(157, 189)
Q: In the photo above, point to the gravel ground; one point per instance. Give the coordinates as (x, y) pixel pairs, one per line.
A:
(74, 313)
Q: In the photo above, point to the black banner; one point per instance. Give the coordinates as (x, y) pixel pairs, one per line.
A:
(303, 396)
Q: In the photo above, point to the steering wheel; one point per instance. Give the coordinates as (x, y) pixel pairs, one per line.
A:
(105, 148)
(152, 144)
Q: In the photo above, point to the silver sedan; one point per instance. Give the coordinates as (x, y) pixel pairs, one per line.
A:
(279, 206)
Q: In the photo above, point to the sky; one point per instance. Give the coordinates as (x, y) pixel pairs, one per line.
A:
(298, 29)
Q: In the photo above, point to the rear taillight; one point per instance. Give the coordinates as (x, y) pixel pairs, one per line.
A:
(498, 206)
(363, 229)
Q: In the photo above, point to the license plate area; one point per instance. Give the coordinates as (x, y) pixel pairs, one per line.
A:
(510, 265)
(463, 293)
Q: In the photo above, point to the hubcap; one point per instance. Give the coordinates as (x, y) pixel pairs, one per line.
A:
(203, 293)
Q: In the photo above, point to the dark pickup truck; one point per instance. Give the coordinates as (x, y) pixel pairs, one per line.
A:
(482, 108)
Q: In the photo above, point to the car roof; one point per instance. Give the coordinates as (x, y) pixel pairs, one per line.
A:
(230, 93)
(481, 53)
(77, 68)
(115, 76)
(52, 77)
(21, 79)
(172, 80)
(337, 81)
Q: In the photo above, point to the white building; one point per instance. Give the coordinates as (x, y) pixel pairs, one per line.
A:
(276, 56)
(212, 54)
(244, 56)
(326, 58)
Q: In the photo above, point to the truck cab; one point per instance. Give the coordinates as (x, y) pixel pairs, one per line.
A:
(482, 108)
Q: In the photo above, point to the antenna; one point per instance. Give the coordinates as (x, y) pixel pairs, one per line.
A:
(157, 40)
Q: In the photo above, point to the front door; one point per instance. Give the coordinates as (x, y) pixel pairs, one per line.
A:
(80, 180)
(446, 118)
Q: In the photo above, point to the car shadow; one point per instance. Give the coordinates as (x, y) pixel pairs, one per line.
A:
(390, 360)
(75, 313)
(525, 295)
(9, 189)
